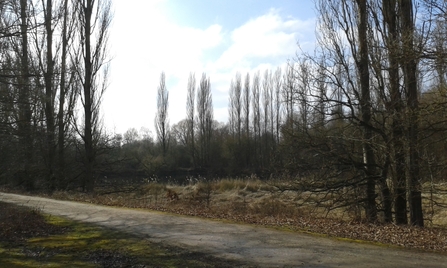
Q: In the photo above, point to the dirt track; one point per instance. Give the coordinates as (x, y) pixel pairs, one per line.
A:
(256, 246)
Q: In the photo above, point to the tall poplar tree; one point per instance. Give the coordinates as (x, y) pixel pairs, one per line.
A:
(94, 17)
(161, 118)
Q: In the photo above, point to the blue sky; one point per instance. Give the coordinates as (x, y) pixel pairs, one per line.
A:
(232, 14)
(219, 37)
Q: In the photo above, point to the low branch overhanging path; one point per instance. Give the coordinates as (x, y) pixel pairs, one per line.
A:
(254, 245)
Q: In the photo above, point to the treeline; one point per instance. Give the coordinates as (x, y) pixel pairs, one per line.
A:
(200, 146)
(360, 123)
(53, 73)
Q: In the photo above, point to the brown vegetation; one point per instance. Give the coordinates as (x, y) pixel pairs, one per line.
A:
(171, 195)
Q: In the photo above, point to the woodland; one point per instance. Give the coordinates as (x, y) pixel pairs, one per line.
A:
(361, 119)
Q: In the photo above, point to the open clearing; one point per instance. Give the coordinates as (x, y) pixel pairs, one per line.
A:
(253, 245)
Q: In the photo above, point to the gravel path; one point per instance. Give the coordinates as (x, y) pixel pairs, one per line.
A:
(256, 246)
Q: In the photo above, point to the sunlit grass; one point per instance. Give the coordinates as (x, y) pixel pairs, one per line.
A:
(86, 245)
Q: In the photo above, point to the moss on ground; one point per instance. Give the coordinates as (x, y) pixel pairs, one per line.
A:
(75, 244)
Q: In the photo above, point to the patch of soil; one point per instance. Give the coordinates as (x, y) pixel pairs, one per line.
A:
(109, 258)
(17, 224)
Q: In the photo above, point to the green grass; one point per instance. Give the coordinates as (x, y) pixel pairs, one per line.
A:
(86, 245)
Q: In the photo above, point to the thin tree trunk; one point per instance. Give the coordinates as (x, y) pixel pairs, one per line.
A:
(62, 93)
(49, 100)
(88, 136)
(25, 113)
(386, 194)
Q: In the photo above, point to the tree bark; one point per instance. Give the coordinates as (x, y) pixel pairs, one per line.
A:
(95, 18)
(24, 125)
(369, 158)
(49, 95)
(88, 133)
(396, 106)
(62, 94)
(410, 68)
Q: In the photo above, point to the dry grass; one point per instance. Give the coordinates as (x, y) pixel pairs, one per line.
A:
(435, 203)
(252, 195)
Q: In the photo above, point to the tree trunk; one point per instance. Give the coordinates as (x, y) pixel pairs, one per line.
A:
(400, 203)
(410, 69)
(386, 193)
(49, 99)
(24, 125)
(369, 158)
(88, 136)
(62, 93)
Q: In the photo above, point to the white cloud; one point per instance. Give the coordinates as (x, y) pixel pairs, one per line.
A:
(143, 44)
(149, 43)
(265, 37)
(262, 43)
(177, 49)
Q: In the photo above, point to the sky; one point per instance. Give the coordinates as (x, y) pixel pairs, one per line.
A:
(216, 37)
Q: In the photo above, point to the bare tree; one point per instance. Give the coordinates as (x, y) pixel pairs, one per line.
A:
(49, 91)
(131, 136)
(302, 76)
(246, 105)
(277, 81)
(256, 91)
(409, 66)
(288, 88)
(25, 113)
(267, 107)
(180, 133)
(67, 92)
(338, 148)
(365, 103)
(392, 44)
(235, 109)
(246, 111)
(161, 118)
(238, 106)
(94, 17)
(321, 98)
(235, 122)
(48, 51)
(205, 119)
(266, 100)
(231, 109)
(190, 116)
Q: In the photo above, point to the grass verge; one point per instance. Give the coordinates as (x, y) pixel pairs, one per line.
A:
(30, 239)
